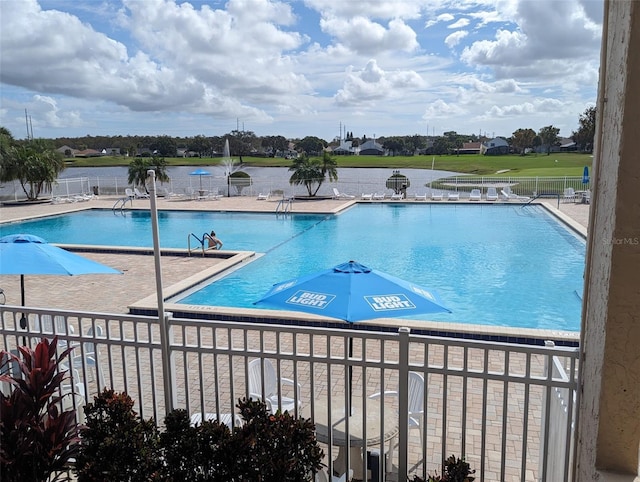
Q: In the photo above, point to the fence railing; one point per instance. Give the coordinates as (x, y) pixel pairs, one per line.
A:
(421, 182)
(487, 402)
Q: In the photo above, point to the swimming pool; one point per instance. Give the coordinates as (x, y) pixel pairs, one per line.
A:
(501, 265)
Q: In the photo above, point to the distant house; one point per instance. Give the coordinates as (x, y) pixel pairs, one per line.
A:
(495, 147)
(371, 148)
(111, 151)
(567, 145)
(88, 153)
(143, 152)
(345, 149)
(66, 151)
(470, 148)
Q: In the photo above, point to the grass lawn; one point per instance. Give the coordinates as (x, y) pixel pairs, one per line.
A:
(556, 164)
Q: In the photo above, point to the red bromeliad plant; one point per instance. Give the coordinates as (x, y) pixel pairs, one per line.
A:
(37, 438)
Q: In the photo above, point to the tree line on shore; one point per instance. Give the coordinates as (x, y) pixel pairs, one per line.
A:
(247, 143)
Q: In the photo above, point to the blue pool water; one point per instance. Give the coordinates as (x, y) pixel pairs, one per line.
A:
(499, 265)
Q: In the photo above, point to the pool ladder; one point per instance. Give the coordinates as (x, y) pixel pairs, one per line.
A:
(284, 205)
(201, 242)
(121, 203)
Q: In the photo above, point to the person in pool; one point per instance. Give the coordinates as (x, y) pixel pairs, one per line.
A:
(214, 242)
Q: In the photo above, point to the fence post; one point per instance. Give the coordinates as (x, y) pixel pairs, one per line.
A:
(403, 402)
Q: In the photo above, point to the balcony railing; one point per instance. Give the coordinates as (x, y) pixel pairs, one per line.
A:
(508, 409)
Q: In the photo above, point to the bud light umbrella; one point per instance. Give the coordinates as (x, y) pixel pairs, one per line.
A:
(352, 292)
(24, 254)
(200, 173)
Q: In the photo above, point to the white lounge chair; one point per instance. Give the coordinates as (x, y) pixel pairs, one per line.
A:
(367, 196)
(397, 196)
(420, 197)
(436, 196)
(511, 196)
(129, 193)
(263, 197)
(272, 385)
(475, 195)
(340, 195)
(139, 194)
(492, 194)
(214, 195)
(379, 196)
(453, 196)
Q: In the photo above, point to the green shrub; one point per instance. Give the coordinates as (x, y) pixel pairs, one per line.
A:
(205, 452)
(37, 438)
(455, 470)
(116, 444)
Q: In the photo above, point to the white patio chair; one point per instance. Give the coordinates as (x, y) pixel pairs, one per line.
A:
(569, 195)
(416, 405)
(492, 194)
(475, 195)
(272, 385)
(229, 419)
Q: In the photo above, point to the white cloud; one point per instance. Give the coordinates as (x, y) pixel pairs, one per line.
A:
(373, 84)
(545, 29)
(47, 114)
(439, 109)
(455, 38)
(443, 17)
(387, 9)
(461, 23)
(538, 106)
(365, 37)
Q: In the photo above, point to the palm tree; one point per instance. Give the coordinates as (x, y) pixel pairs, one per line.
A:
(139, 166)
(35, 165)
(313, 172)
(329, 167)
(307, 172)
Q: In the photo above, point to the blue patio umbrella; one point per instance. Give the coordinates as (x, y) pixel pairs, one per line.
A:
(585, 175)
(200, 172)
(24, 254)
(352, 292)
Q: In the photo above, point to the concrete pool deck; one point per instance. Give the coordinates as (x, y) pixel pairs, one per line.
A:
(116, 293)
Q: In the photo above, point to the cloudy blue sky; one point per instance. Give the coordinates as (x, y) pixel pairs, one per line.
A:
(297, 67)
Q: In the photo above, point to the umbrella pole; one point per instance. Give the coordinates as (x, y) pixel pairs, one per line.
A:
(350, 376)
(23, 318)
(165, 335)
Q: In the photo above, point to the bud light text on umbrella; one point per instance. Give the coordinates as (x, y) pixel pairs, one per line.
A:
(390, 302)
(310, 299)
